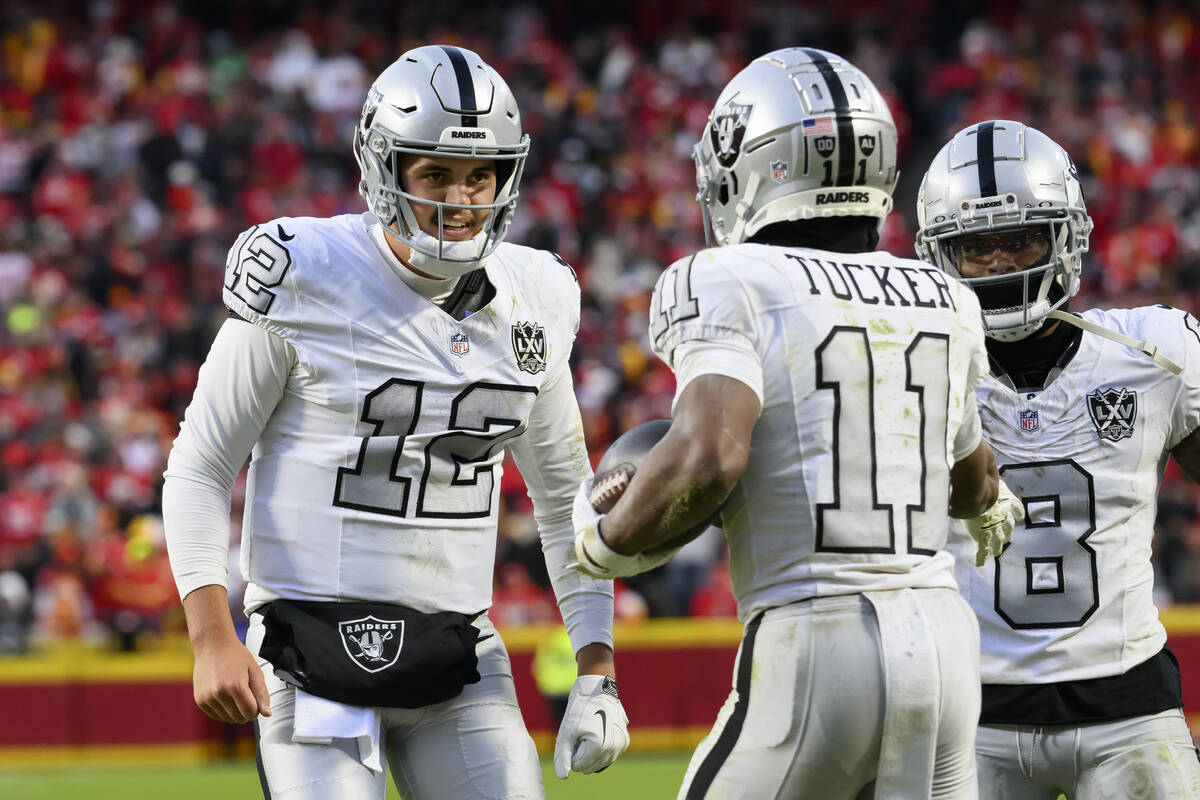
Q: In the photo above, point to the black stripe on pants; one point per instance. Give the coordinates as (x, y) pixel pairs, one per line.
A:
(707, 773)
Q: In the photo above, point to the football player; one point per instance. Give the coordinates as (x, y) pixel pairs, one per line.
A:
(1080, 693)
(380, 364)
(825, 404)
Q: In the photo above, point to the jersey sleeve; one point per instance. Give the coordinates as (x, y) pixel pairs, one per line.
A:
(1178, 334)
(552, 458)
(974, 350)
(702, 322)
(240, 383)
(265, 274)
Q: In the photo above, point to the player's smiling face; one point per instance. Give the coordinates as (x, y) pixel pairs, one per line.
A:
(470, 182)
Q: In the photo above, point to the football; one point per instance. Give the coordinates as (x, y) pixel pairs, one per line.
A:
(616, 469)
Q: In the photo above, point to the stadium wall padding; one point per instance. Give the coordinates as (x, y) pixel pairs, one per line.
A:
(74, 704)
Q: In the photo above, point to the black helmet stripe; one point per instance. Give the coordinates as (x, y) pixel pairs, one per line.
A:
(466, 86)
(841, 109)
(985, 153)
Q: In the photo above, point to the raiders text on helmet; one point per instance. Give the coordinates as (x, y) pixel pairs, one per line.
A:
(446, 102)
(1002, 176)
(798, 134)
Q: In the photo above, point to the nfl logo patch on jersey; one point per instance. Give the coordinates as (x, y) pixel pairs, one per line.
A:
(372, 643)
(1029, 420)
(1112, 412)
(459, 344)
(529, 346)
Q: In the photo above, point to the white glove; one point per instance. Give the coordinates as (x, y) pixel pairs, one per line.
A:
(992, 529)
(594, 730)
(593, 555)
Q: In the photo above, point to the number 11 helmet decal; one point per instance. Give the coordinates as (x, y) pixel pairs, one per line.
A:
(798, 134)
(444, 102)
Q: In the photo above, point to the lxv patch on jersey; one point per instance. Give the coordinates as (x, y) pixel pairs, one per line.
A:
(529, 346)
(1113, 412)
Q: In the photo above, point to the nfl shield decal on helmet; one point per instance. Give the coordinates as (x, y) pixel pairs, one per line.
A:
(779, 171)
(727, 129)
(459, 344)
(1112, 412)
(372, 643)
(1029, 420)
(529, 346)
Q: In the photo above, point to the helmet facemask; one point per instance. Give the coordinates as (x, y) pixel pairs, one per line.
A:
(996, 177)
(440, 102)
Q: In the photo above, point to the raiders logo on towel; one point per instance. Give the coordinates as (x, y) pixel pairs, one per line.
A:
(373, 644)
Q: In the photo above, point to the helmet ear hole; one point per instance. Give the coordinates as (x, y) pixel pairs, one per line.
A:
(723, 191)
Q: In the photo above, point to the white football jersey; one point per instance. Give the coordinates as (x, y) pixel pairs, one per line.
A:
(377, 476)
(865, 365)
(1071, 596)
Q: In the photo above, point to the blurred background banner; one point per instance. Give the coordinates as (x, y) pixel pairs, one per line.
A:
(138, 138)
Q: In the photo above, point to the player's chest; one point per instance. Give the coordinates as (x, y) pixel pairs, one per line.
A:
(1103, 415)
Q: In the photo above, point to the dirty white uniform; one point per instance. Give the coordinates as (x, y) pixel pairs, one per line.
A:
(856, 672)
(378, 423)
(1080, 695)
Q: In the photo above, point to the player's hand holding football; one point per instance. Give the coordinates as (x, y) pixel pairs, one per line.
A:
(992, 529)
(594, 729)
(592, 553)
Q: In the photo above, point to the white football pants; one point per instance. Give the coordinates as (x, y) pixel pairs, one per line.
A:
(850, 697)
(473, 747)
(1141, 757)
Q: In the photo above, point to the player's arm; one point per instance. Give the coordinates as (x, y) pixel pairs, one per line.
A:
(553, 460)
(686, 477)
(974, 483)
(240, 383)
(1187, 455)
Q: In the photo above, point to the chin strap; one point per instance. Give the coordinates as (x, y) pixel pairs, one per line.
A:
(1146, 346)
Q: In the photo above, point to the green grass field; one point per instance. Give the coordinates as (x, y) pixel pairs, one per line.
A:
(632, 776)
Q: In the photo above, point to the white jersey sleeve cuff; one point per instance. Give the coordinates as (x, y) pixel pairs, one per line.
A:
(970, 432)
(734, 357)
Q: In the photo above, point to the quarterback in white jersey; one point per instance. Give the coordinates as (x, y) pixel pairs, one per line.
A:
(1080, 694)
(379, 365)
(825, 403)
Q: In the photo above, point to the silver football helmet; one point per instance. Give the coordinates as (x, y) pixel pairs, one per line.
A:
(798, 134)
(439, 101)
(1000, 176)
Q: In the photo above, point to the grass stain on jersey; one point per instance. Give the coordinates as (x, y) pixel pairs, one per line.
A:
(881, 326)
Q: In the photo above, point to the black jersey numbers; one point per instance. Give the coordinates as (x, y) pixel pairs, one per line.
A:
(256, 267)
(454, 469)
(1047, 577)
(675, 299)
(856, 520)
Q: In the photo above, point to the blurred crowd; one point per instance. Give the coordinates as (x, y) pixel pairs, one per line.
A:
(138, 138)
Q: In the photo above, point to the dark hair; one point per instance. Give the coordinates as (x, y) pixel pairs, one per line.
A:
(836, 234)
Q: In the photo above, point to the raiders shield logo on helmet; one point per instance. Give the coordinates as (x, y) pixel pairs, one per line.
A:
(824, 145)
(529, 346)
(372, 643)
(727, 129)
(866, 143)
(1112, 412)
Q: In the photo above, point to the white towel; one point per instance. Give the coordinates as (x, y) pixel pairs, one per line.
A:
(909, 741)
(320, 721)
